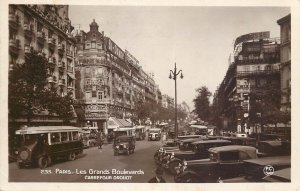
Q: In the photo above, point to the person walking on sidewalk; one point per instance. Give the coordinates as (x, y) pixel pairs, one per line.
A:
(99, 140)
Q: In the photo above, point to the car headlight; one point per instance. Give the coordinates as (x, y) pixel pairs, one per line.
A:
(172, 155)
(24, 155)
(124, 146)
(117, 146)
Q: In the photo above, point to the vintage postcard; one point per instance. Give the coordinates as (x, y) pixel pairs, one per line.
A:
(197, 95)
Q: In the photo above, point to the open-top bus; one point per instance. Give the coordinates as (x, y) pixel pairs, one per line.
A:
(41, 145)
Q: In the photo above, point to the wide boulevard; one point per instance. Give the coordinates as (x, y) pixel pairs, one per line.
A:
(96, 165)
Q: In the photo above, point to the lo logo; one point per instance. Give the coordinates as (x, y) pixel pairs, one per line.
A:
(268, 170)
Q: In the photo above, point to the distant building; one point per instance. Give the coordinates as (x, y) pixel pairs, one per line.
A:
(45, 29)
(285, 60)
(167, 101)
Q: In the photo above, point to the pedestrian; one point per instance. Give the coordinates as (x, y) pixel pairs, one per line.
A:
(158, 178)
(99, 140)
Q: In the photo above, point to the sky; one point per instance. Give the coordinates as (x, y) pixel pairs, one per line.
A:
(199, 39)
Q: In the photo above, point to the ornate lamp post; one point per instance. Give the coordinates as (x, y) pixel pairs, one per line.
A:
(173, 75)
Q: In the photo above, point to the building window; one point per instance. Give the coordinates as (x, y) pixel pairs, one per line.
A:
(100, 95)
(93, 44)
(94, 94)
(88, 95)
(87, 71)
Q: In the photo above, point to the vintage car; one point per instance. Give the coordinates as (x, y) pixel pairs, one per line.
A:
(225, 161)
(274, 148)
(88, 139)
(199, 150)
(154, 134)
(255, 169)
(186, 144)
(43, 144)
(247, 141)
(188, 137)
(124, 144)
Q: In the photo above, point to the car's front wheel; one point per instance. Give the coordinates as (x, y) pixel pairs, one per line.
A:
(72, 156)
(43, 162)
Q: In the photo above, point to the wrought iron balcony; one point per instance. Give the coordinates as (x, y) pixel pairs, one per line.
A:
(28, 49)
(28, 30)
(51, 42)
(257, 72)
(61, 64)
(14, 46)
(61, 48)
(13, 21)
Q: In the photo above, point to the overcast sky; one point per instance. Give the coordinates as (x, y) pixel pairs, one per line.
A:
(198, 39)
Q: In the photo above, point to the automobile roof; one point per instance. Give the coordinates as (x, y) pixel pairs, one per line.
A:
(242, 138)
(46, 129)
(211, 141)
(190, 139)
(273, 142)
(232, 148)
(276, 160)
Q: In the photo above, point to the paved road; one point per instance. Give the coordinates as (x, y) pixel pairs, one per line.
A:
(94, 161)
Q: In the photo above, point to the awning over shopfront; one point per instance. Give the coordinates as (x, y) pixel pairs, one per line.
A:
(114, 123)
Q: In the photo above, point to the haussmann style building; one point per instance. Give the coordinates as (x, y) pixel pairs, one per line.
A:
(46, 30)
(109, 80)
(255, 65)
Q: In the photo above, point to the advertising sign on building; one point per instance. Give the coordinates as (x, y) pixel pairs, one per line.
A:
(252, 36)
(131, 59)
(115, 49)
(242, 85)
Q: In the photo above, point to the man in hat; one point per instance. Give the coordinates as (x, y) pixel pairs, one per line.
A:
(158, 178)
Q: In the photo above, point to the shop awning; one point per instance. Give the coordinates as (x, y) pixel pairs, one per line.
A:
(114, 123)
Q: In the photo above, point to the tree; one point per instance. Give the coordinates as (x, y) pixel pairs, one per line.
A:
(265, 106)
(201, 103)
(29, 93)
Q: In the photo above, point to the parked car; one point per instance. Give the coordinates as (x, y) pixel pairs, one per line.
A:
(124, 144)
(247, 141)
(274, 148)
(186, 144)
(225, 161)
(254, 169)
(199, 150)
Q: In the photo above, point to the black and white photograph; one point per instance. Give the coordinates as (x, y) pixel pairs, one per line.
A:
(149, 93)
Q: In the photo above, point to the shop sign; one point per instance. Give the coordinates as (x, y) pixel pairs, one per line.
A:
(252, 36)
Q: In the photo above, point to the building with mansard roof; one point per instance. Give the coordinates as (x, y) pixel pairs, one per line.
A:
(109, 80)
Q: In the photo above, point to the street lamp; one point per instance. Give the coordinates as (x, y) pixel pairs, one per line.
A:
(173, 75)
